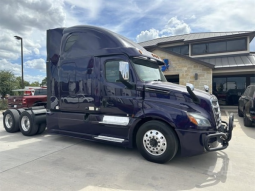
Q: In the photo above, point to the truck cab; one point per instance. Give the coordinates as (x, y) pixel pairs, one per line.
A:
(106, 88)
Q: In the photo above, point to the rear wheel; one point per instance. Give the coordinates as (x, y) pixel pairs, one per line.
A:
(26, 124)
(41, 128)
(11, 120)
(247, 122)
(156, 141)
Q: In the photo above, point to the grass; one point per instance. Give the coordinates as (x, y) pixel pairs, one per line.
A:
(3, 104)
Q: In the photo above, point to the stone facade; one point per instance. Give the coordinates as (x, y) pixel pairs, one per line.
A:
(186, 70)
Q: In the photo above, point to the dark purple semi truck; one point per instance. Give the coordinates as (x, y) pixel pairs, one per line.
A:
(106, 88)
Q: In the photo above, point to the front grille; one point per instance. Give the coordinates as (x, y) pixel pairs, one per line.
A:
(216, 111)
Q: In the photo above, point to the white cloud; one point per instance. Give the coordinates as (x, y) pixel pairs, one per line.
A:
(176, 27)
(29, 20)
(36, 51)
(38, 64)
(34, 78)
(227, 15)
(147, 35)
(92, 8)
(23, 16)
(173, 27)
(193, 17)
(16, 69)
(6, 65)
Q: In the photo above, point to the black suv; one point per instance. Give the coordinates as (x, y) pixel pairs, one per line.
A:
(246, 106)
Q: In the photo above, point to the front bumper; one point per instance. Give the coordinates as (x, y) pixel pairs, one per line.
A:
(222, 136)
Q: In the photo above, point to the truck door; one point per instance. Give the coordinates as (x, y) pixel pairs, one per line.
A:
(116, 98)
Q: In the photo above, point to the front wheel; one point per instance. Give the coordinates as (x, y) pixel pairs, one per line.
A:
(156, 141)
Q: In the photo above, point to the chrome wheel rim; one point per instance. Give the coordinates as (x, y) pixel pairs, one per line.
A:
(25, 123)
(8, 121)
(154, 142)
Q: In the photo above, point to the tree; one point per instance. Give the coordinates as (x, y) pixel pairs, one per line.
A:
(8, 83)
(44, 82)
(26, 83)
(35, 84)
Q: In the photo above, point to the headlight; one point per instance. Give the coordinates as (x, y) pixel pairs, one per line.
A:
(199, 120)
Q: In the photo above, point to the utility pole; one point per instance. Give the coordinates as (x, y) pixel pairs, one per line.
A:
(22, 76)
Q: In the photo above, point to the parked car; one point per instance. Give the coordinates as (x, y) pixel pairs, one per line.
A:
(246, 106)
(37, 98)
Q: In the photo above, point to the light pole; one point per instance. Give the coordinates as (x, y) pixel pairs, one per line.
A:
(22, 78)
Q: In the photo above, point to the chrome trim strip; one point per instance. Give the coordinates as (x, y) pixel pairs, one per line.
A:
(216, 111)
(112, 139)
(115, 120)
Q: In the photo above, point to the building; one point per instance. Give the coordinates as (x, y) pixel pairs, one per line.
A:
(221, 60)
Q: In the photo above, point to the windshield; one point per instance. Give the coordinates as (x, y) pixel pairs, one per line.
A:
(40, 92)
(148, 70)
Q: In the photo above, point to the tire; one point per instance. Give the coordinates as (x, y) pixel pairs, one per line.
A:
(11, 120)
(41, 128)
(26, 125)
(240, 114)
(246, 121)
(163, 139)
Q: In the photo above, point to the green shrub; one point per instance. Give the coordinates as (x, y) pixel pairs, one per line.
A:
(3, 104)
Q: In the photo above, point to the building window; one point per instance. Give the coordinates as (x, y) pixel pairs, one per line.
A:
(252, 80)
(229, 89)
(199, 49)
(184, 50)
(215, 47)
(237, 45)
(219, 47)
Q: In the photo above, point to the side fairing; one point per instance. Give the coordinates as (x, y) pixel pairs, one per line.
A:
(54, 37)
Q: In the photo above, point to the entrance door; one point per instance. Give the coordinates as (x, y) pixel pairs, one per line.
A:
(116, 98)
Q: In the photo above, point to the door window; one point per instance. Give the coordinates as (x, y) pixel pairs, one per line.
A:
(112, 71)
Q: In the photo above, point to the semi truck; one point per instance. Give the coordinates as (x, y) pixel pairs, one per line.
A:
(103, 87)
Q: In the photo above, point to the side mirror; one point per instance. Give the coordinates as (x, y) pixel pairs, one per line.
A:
(124, 74)
(206, 88)
(191, 86)
(124, 70)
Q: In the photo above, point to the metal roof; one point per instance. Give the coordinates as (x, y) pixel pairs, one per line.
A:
(231, 61)
(196, 36)
(207, 64)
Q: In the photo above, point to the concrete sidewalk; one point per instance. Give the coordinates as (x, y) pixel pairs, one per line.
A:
(52, 162)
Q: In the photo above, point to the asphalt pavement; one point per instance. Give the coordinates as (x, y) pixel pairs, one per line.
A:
(52, 162)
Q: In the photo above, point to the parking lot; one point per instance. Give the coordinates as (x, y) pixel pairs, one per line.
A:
(52, 162)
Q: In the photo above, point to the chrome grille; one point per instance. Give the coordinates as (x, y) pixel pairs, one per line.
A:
(216, 111)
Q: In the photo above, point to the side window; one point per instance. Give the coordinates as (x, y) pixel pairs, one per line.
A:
(70, 42)
(112, 70)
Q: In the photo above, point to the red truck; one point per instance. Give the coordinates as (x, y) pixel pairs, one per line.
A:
(38, 99)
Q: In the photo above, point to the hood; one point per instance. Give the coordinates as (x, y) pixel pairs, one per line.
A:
(167, 86)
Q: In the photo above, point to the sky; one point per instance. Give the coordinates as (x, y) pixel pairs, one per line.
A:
(138, 20)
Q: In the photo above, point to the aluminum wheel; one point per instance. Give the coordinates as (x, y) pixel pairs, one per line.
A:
(25, 123)
(8, 121)
(154, 142)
